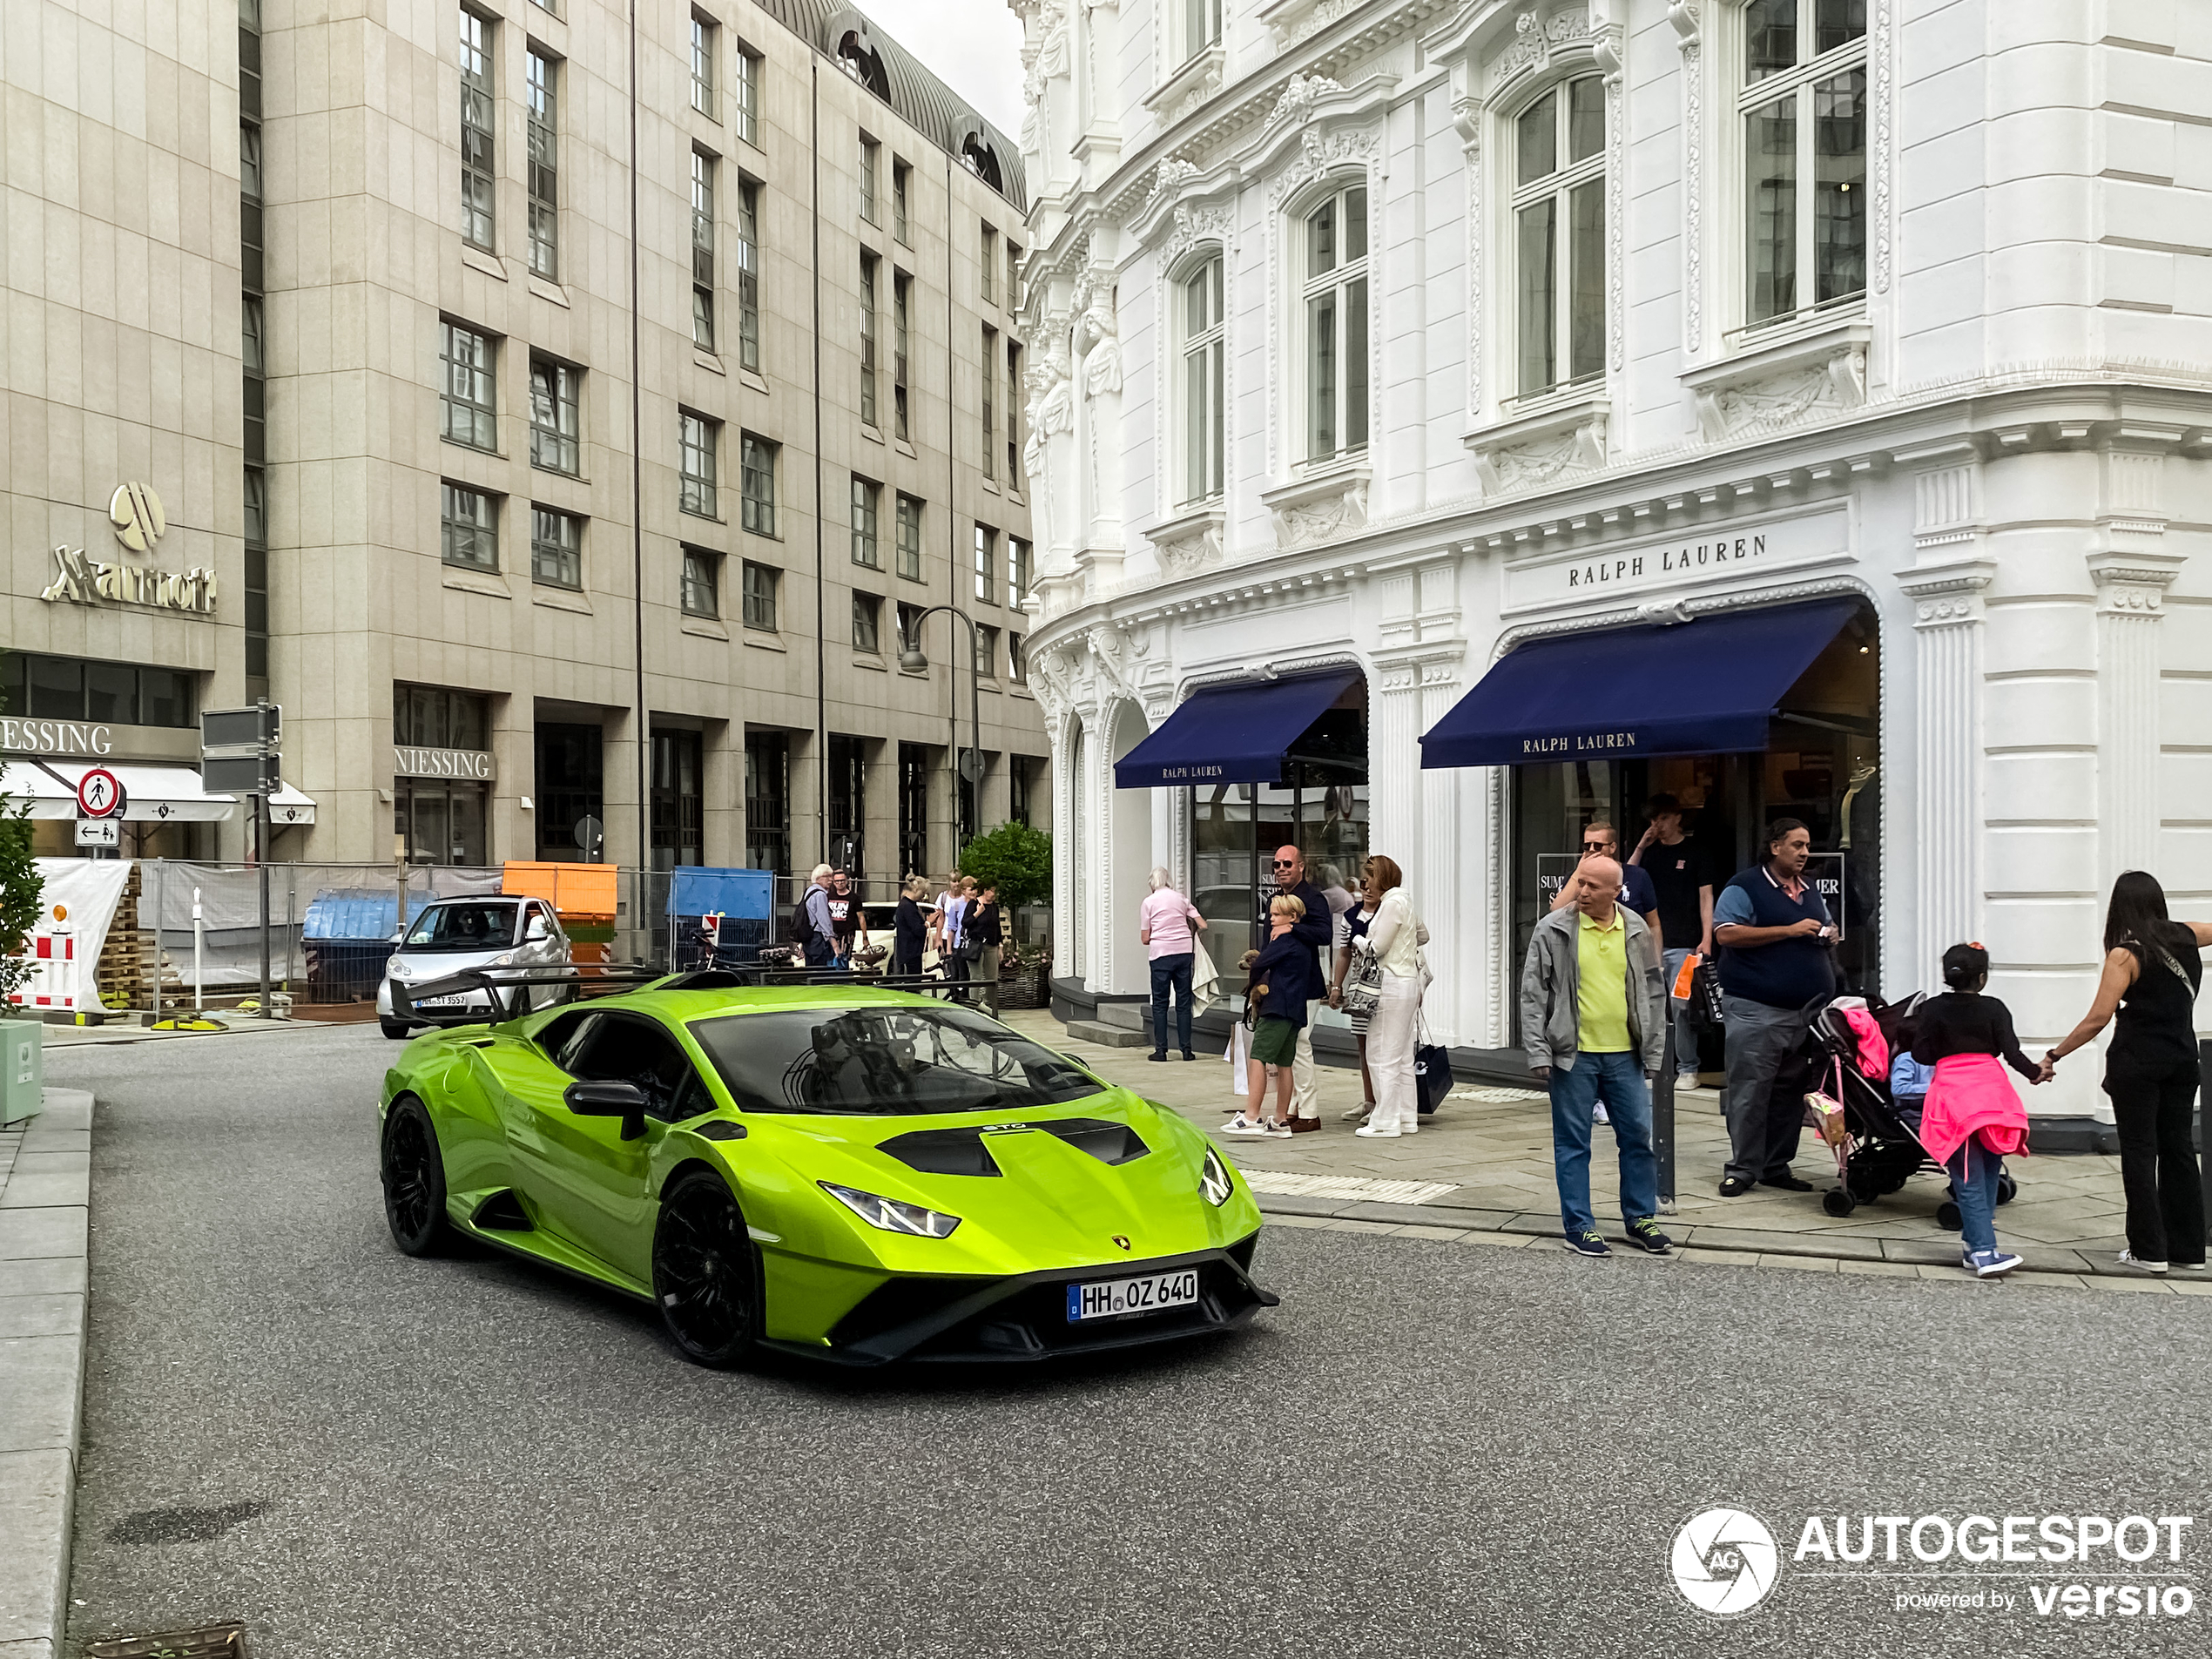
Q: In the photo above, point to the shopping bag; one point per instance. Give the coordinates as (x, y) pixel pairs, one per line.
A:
(1363, 984)
(1704, 996)
(1431, 1073)
(1240, 1053)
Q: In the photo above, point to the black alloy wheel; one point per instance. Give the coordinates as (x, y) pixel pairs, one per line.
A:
(414, 1181)
(706, 1279)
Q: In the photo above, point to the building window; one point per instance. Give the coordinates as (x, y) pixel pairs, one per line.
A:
(1017, 573)
(68, 688)
(556, 416)
(1200, 26)
(867, 614)
(257, 576)
(704, 35)
(989, 257)
(1018, 668)
(902, 181)
(909, 617)
(557, 549)
(867, 340)
(869, 151)
(987, 653)
(745, 93)
(987, 558)
(1013, 275)
(697, 439)
(1013, 414)
(910, 538)
(1204, 353)
(1803, 109)
(1017, 787)
(252, 331)
(901, 300)
(749, 274)
(249, 161)
(767, 800)
(542, 114)
(702, 583)
(1335, 296)
(760, 595)
(1559, 236)
(468, 398)
(470, 528)
(865, 497)
(478, 173)
(758, 465)
(990, 382)
(702, 251)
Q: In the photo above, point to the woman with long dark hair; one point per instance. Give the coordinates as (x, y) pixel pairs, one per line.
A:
(2151, 976)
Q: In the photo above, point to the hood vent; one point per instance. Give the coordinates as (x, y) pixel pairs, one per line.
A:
(962, 1151)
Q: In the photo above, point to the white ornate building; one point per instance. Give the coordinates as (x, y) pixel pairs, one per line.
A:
(1393, 337)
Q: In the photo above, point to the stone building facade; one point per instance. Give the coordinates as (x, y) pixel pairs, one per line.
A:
(568, 421)
(1441, 363)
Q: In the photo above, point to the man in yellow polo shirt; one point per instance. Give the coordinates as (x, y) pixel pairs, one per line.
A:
(1594, 1022)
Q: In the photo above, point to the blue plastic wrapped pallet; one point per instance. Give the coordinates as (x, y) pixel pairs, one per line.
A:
(741, 901)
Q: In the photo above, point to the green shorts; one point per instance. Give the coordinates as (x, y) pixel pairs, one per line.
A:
(1274, 1041)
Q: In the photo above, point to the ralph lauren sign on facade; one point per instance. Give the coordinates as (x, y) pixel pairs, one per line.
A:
(1733, 553)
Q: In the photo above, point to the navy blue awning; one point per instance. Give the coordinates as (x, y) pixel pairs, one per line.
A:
(1703, 687)
(1232, 734)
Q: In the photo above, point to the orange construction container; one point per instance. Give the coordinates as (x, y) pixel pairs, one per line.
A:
(584, 892)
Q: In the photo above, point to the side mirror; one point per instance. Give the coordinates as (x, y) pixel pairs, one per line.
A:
(538, 929)
(625, 1101)
(399, 936)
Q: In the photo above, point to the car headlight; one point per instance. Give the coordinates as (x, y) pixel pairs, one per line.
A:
(503, 960)
(891, 1215)
(396, 967)
(1214, 1180)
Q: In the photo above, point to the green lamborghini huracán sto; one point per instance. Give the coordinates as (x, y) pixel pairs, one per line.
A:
(855, 1174)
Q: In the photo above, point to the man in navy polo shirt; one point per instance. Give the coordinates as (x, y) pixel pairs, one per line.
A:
(1773, 930)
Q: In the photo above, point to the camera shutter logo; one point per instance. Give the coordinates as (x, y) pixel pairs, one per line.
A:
(1725, 1562)
(135, 511)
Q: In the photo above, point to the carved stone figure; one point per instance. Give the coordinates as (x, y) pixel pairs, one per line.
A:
(1101, 346)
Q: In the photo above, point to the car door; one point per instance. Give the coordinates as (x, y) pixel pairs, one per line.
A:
(526, 1079)
(588, 1184)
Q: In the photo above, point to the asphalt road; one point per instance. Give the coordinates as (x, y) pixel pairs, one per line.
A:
(1428, 1449)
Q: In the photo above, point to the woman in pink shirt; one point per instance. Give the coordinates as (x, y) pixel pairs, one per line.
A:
(1166, 922)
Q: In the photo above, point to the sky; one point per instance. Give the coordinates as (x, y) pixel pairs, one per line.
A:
(973, 46)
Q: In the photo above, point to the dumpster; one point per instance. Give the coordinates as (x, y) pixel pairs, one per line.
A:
(347, 938)
(718, 917)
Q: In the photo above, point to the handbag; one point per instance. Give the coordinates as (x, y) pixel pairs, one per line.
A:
(1704, 997)
(1825, 1111)
(1363, 984)
(1431, 1073)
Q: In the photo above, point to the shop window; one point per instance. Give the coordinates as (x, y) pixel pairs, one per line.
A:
(468, 394)
(1559, 236)
(66, 688)
(1333, 314)
(1802, 108)
(767, 801)
(440, 820)
(469, 528)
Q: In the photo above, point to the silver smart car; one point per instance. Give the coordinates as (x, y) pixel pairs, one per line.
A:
(452, 934)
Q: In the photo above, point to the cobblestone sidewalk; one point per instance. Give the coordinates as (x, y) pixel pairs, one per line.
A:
(1484, 1164)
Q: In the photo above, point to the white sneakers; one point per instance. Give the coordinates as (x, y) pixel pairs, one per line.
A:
(1241, 1124)
(1368, 1131)
(2128, 1258)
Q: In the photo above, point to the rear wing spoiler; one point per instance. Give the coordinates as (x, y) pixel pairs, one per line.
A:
(508, 988)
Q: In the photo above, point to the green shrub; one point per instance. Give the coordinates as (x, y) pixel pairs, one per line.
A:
(1016, 859)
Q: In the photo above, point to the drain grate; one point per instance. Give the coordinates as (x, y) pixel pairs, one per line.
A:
(210, 1641)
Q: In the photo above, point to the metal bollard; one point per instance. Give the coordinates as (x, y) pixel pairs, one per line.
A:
(199, 970)
(1663, 1123)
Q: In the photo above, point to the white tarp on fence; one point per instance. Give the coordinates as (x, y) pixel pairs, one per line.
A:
(75, 909)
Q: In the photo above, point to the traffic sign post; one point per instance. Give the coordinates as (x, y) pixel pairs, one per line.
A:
(238, 755)
(99, 794)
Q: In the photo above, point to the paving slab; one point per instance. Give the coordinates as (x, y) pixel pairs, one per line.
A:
(1861, 1250)
(38, 1491)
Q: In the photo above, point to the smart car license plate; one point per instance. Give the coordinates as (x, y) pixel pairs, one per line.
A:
(1109, 1298)
(440, 1001)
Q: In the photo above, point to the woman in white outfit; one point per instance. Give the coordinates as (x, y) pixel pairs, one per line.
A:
(1395, 937)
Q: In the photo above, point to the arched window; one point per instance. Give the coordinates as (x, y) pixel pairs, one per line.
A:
(863, 62)
(1559, 236)
(1334, 288)
(1204, 347)
(975, 151)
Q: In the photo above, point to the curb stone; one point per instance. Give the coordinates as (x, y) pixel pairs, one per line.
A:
(44, 1216)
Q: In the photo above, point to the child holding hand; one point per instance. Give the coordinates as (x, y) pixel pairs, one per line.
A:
(1972, 1116)
(1277, 988)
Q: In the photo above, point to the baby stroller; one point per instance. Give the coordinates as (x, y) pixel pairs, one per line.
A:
(1877, 1140)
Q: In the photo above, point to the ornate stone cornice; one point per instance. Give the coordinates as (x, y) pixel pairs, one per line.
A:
(2133, 581)
(1948, 593)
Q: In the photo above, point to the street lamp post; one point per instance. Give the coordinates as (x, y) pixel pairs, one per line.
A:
(912, 659)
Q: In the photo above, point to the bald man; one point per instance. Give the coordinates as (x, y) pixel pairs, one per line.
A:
(1593, 1020)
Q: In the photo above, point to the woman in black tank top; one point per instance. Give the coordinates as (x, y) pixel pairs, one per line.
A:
(2152, 972)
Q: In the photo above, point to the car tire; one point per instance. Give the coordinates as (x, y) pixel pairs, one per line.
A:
(706, 1274)
(414, 1181)
(396, 1029)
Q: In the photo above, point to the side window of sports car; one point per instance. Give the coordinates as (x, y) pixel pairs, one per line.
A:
(563, 1039)
(630, 1049)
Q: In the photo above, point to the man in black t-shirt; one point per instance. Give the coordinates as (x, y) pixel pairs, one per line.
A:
(846, 918)
(1682, 876)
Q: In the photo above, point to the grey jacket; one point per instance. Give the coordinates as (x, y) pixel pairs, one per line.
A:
(1551, 989)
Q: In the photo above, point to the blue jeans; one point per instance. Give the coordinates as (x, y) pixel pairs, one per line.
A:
(1973, 1188)
(1171, 973)
(1618, 1080)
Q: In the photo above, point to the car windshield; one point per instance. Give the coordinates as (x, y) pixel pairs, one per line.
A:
(884, 1062)
(487, 926)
